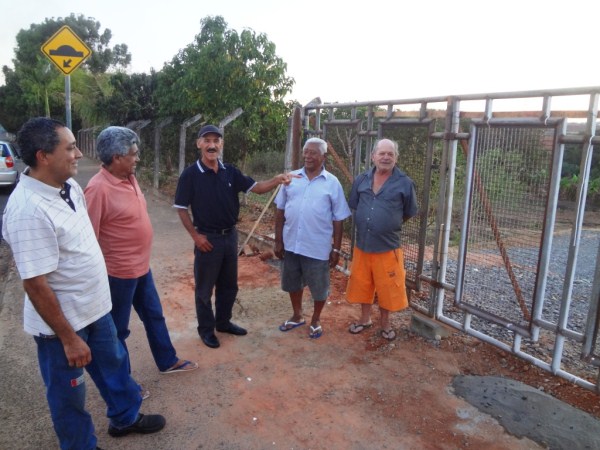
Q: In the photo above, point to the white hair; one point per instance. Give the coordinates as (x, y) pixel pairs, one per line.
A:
(320, 142)
(393, 143)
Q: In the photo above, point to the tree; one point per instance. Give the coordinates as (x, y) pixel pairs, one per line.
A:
(131, 97)
(223, 70)
(13, 106)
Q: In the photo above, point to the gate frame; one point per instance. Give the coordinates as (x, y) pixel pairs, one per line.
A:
(450, 138)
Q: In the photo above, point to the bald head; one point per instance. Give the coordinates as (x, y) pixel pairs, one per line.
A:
(386, 144)
(385, 155)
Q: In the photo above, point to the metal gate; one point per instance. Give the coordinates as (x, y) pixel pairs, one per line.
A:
(500, 249)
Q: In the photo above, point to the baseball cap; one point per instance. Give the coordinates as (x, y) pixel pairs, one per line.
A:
(209, 129)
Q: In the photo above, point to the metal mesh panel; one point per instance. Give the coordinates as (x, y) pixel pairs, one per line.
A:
(342, 139)
(511, 175)
(587, 306)
(583, 278)
(413, 144)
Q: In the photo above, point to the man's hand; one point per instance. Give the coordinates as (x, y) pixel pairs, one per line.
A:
(200, 240)
(265, 186)
(279, 250)
(202, 243)
(46, 304)
(77, 352)
(286, 178)
(334, 257)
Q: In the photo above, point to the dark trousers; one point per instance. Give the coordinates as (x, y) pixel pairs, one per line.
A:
(216, 270)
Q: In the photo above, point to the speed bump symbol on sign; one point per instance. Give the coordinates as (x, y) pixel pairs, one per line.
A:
(66, 50)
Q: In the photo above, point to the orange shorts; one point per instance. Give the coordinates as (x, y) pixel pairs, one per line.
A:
(381, 273)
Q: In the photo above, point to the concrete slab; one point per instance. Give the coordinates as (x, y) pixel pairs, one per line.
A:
(427, 327)
(528, 412)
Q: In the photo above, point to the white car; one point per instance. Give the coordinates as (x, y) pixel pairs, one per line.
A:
(9, 172)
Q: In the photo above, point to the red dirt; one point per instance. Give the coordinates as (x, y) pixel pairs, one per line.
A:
(283, 390)
(274, 390)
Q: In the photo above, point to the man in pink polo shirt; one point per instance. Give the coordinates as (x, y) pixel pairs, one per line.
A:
(117, 209)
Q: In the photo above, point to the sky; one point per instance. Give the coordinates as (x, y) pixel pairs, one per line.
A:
(346, 51)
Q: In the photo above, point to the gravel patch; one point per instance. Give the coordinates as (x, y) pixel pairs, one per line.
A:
(488, 287)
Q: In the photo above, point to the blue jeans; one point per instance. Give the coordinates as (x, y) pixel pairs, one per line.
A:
(141, 293)
(65, 387)
(216, 269)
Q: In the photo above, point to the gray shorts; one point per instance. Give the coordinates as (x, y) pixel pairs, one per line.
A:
(299, 271)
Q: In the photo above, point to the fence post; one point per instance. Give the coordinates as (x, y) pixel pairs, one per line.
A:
(82, 141)
(294, 136)
(182, 138)
(137, 125)
(230, 118)
(163, 123)
(86, 142)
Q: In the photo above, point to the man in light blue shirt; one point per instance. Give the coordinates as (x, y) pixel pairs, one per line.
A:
(309, 212)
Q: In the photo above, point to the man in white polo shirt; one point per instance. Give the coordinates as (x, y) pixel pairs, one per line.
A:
(67, 297)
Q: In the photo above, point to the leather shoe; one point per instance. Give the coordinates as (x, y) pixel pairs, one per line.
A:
(210, 340)
(232, 328)
(145, 424)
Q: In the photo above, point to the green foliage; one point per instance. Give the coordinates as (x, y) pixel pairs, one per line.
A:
(129, 97)
(569, 185)
(86, 88)
(570, 175)
(504, 178)
(220, 71)
(572, 161)
(593, 195)
(264, 164)
(34, 90)
(223, 70)
(13, 102)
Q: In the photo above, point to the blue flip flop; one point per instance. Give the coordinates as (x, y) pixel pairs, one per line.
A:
(290, 325)
(186, 366)
(315, 332)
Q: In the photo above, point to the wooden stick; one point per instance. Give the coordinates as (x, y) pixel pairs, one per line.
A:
(259, 219)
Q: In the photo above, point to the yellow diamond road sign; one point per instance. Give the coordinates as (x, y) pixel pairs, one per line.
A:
(66, 50)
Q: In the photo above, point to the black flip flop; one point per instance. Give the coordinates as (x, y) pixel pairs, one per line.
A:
(390, 334)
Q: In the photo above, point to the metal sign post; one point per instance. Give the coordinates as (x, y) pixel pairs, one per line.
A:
(68, 101)
(67, 51)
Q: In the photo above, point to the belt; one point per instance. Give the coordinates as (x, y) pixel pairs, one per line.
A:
(214, 231)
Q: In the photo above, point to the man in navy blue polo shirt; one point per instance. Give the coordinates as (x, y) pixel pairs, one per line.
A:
(210, 188)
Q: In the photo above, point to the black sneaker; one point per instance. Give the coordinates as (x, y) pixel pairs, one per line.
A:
(145, 424)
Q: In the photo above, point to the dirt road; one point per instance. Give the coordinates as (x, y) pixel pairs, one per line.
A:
(266, 390)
